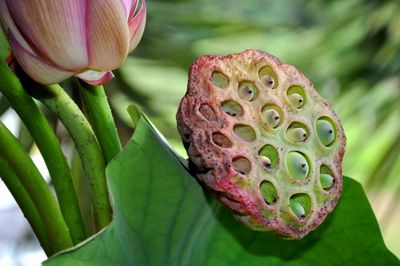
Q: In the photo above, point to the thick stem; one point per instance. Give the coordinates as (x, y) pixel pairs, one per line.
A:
(49, 147)
(24, 201)
(35, 185)
(87, 147)
(3, 105)
(83, 191)
(102, 120)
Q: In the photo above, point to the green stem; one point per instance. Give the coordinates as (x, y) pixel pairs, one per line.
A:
(37, 188)
(87, 147)
(24, 201)
(3, 105)
(103, 124)
(49, 147)
(83, 190)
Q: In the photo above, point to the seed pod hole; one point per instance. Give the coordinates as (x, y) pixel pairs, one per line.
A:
(221, 140)
(300, 204)
(296, 96)
(297, 165)
(268, 156)
(207, 112)
(232, 108)
(326, 131)
(247, 91)
(244, 132)
(269, 193)
(297, 132)
(241, 165)
(272, 115)
(326, 177)
(268, 77)
(219, 79)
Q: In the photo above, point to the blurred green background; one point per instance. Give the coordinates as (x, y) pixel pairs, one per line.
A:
(349, 49)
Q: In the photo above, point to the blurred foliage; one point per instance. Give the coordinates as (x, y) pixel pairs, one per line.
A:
(348, 48)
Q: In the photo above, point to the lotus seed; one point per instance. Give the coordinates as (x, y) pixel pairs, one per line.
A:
(268, 156)
(268, 77)
(207, 112)
(219, 79)
(221, 140)
(297, 165)
(268, 81)
(242, 165)
(326, 181)
(245, 132)
(325, 131)
(272, 117)
(298, 209)
(246, 92)
(265, 161)
(232, 108)
(296, 134)
(300, 205)
(269, 193)
(296, 100)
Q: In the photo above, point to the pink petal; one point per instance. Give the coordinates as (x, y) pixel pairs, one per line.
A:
(37, 69)
(134, 6)
(95, 78)
(136, 26)
(10, 26)
(54, 29)
(128, 6)
(108, 34)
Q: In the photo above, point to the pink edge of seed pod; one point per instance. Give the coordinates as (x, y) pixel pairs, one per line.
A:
(88, 39)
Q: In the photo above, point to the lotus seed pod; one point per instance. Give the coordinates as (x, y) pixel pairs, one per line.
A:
(263, 140)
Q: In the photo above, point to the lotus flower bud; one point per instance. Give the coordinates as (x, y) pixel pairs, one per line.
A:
(54, 40)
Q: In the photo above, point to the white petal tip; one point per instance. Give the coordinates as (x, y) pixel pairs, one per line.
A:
(96, 78)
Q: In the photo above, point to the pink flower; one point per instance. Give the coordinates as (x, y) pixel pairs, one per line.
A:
(54, 40)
